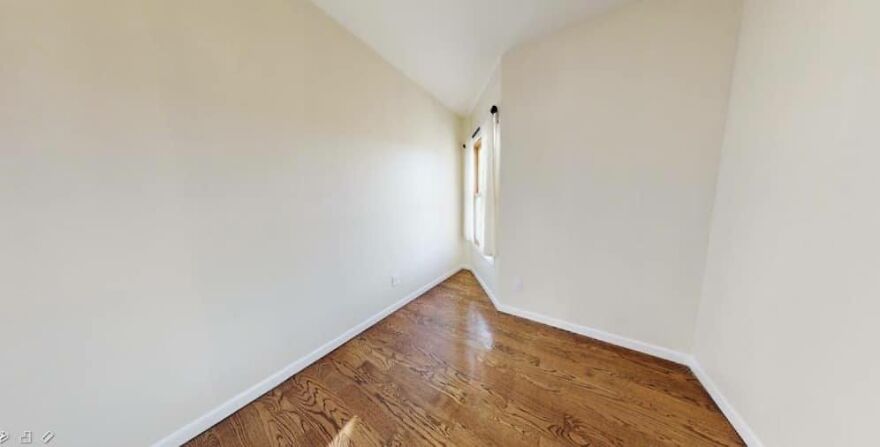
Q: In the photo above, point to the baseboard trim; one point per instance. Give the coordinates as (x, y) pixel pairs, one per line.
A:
(733, 416)
(208, 420)
(629, 343)
(485, 287)
(738, 423)
(614, 339)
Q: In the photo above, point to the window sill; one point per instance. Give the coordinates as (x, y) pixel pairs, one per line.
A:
(489, 259)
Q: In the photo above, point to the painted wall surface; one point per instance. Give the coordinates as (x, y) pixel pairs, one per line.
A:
(611, 138)
(194, 195)
(788, 326)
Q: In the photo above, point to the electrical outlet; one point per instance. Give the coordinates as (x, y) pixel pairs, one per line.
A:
(395, 281)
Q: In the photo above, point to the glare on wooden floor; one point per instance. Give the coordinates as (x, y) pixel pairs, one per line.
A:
(344, 437)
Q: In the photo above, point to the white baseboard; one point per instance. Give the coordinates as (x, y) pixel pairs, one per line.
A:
(247, 396)
(745, 432)
(485, 287)
(635, 345)
(733, 416)
(618, 340)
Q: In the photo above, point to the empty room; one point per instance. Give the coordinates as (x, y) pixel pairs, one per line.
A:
(327, 223)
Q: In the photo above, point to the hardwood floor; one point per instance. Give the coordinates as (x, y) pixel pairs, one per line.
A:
(448, 369)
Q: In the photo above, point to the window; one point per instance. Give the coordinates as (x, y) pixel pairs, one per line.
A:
(478, 175)
(481, 187)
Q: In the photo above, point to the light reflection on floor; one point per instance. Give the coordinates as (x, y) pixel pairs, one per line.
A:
(345, 436)
(478, 323)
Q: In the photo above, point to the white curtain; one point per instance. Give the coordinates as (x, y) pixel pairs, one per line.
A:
(468, 212)
(489, 186)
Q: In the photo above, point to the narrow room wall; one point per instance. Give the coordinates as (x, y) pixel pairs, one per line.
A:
(788, 327)
(611, 134)
(194, 195)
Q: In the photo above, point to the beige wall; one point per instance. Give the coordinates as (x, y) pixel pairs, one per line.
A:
(611, 140)
(195, 194)
(788, 326)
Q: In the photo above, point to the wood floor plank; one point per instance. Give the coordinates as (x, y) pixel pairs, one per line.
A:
(450, 370)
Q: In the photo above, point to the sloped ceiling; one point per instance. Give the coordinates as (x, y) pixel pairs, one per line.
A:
(451, 47)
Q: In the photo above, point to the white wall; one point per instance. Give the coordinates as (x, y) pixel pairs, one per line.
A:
(195, 194)
(486, 269)
(788, 326)
(611, 139)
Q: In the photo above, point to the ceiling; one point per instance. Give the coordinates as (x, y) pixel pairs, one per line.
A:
(451, 47)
